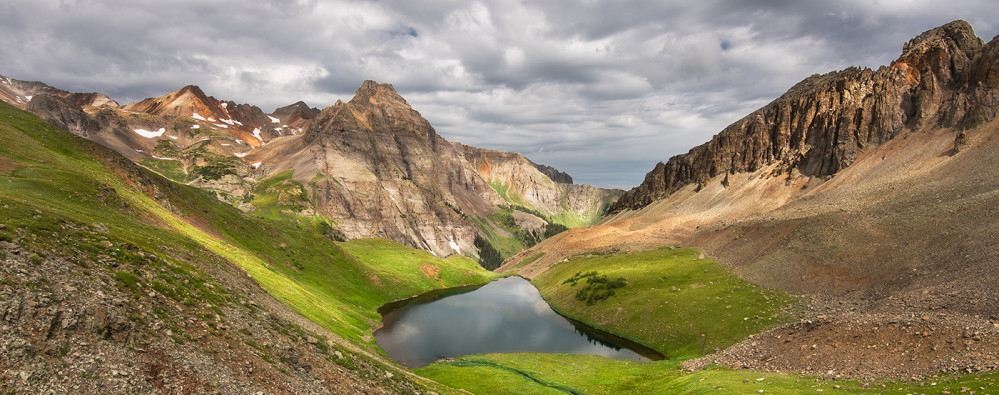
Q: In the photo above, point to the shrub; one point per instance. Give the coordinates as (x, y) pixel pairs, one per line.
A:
(598, 287)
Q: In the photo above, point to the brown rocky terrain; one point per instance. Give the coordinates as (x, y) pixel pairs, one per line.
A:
(66, 326)
(380, 170)
(296, 116)
(245, 122)
(870, 191)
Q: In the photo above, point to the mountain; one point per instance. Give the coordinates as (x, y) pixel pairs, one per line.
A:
(245, 122)
(297, 115)
(944, 78)
(872, 192)
(379, 169)
(118, 280)
(371, 167)
(545, 189)
(20, 93)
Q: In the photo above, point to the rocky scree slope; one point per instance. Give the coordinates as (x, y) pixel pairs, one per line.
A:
(945, 77)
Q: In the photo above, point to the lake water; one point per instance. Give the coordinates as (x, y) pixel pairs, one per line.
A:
(505, 316)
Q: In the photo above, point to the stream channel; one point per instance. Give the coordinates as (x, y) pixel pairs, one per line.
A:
(505, 316)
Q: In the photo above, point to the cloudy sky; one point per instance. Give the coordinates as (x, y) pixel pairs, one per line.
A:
(602, 89)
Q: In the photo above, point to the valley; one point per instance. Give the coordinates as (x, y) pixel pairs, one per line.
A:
(840, 238)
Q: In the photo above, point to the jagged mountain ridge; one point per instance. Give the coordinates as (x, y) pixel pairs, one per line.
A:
(944, 78)
(373, 166)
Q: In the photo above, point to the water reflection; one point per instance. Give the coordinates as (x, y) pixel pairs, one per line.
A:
(507, 315)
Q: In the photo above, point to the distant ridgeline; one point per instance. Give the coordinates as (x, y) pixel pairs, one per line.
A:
(370, 167)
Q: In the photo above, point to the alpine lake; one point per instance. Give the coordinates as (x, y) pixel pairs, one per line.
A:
(504, 316)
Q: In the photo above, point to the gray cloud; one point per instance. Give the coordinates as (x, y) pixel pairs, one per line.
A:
(600, 89)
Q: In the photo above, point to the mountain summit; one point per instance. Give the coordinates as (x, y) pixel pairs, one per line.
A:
(944, 78)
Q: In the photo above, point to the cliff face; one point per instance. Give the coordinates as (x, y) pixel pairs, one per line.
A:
(537, 187)
(380, 170)
(945, 77)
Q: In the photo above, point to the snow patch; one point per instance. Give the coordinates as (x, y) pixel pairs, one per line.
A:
(28, 97)
(173, 137)
(210, 119)
(195, 126)
(256, 165)
(148, 134)
(221, 126)
(225, 105)
(238, 141)
(454, 246)
(274, 120)
(225, 144)
(238, 155)
(198, 117)
(138, 150)
(256, 133)
(162, 158)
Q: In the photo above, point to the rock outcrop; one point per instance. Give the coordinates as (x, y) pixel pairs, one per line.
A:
(945, 77)
(553, 173)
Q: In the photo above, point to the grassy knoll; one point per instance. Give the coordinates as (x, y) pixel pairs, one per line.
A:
(673, 302)
(533, 373)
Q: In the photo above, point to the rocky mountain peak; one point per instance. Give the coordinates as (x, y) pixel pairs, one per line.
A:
(373, 93)
(946, 51)
(945, 78)
(375, 108)
(298, 108)
(184, 102)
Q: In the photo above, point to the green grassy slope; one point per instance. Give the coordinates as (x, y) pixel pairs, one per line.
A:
(51, 176)
(582, 374)
(674, 302)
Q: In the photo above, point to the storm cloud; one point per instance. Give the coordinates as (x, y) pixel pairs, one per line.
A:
(601, 89)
